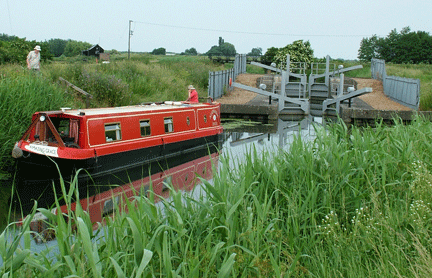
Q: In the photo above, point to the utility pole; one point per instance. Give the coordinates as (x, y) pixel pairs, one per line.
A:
(130, 34)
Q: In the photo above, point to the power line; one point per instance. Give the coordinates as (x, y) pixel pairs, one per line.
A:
(244, 32)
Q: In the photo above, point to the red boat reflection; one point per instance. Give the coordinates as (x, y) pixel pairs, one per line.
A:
(184, 177)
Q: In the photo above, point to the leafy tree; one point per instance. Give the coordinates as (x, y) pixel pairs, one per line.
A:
(7, 38)
(16, 50)
(75, 48)
(192, 51)
(45, 50)
(255, 52)
(268, 57)
(386, 47)
(214, 51)
(223, 49)
(228, 49)
(403, 47)
(57, 46)
(159, 51)
(425, 47)
(299, 51)
(413, 47)
(114, 52)
(369, 48)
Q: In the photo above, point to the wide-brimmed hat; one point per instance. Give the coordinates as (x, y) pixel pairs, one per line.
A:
(190, 87)
(37, 47)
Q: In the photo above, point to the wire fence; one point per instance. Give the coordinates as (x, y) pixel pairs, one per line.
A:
(220, 81)
(405, 91)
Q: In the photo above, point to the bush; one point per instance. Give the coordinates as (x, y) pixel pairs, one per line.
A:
(106, 88)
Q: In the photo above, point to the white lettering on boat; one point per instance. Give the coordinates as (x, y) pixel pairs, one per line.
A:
(45, 150)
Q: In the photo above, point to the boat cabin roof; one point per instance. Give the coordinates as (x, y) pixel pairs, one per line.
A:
(130, 109)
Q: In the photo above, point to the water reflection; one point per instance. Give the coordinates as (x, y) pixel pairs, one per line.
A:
(268, 136)
(182, 177)
(181, 171)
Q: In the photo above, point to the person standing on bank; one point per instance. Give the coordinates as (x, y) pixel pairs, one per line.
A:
(193, 94)
(33, 59)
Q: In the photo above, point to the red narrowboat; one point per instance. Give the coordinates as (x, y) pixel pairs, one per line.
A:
(108, 142)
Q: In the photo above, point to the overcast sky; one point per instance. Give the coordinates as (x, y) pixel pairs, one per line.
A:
(333, 28)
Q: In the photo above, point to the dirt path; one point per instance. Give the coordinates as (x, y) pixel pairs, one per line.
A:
(376, 99)
(240, 96)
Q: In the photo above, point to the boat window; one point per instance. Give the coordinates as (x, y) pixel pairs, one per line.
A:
(168, 124)
(59, 125)
(62, 127)
(112, 132)
(145, 127)
(67, 129)
(187, 121)
(205, 118)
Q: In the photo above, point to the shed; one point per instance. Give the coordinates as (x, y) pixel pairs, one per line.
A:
(95, 50)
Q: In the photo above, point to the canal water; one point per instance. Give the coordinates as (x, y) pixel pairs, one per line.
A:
(239, 137)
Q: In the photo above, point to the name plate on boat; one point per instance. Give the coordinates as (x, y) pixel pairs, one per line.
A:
(40, 149)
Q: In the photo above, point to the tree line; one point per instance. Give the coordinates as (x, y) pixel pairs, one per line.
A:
(15, 50)
(401, 47)
(221, 49)
(404, 47)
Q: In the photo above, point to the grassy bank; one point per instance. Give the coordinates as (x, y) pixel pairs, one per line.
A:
(143, 78)
(351, 203)
(21, 94)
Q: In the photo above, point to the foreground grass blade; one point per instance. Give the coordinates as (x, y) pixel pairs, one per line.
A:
(144, 262)
(88, 248)
(227, 266)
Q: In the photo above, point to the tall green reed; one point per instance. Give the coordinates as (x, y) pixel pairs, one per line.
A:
(20, 97)
(351, 202)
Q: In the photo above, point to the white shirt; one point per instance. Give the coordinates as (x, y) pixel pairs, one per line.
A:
(34, 60)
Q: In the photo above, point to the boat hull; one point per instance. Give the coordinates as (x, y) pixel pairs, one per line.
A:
(98, 174)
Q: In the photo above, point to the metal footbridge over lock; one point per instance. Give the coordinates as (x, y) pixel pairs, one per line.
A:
(321, 95)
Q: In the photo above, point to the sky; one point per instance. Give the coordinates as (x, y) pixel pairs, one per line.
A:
(333, 28)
